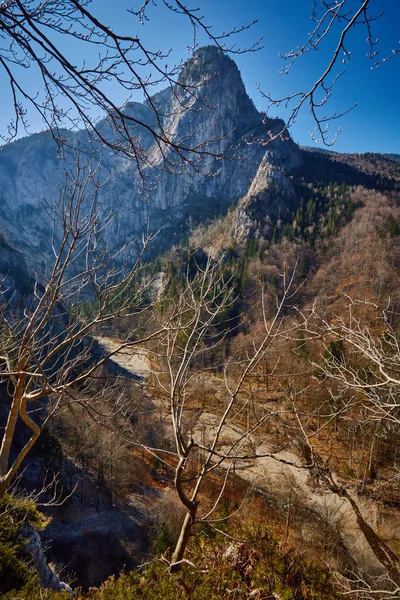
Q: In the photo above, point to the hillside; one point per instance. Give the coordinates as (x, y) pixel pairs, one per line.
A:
(246, 371)
(32, 173)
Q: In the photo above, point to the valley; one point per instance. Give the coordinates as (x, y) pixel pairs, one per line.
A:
(274, 472)
(202, 377)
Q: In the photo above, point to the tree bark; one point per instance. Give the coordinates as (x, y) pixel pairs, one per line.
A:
(183, 538)
(8, 435)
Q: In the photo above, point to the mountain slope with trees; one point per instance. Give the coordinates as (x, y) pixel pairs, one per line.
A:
(241, 369)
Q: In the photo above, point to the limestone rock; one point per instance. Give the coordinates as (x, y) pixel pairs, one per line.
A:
(221, 112)
(32, 551)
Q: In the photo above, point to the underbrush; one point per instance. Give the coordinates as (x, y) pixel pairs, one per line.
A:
(15, 512)
(253, 565)
(219, 567)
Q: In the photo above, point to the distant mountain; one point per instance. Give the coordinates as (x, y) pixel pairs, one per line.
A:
(395, 157)
(328, 151)
(317, 149)
(31, 172)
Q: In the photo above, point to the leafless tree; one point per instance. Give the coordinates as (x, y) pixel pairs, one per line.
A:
(69, 92)
(359, 368)
(46, 36)
(45, 349)
(365, 359)
(333, 22)
(221, 435)
(357, 585)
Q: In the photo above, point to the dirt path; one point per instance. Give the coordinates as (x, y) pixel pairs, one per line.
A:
(130, 359)
(290, 483)
(283, 480)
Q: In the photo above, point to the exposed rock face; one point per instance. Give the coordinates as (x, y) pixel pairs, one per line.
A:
(13, 272)
(220, 113)
(32, 551)
(271, 192)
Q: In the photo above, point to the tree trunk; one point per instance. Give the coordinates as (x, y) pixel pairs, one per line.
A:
(8, 436)
(21, 401)
(9, 431)
(383, 553)
(183, 538)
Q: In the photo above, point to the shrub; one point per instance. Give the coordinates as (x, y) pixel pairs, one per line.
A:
(14, 513)
(222, 568)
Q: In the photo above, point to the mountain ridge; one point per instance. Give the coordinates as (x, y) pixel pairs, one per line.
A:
(220, 115)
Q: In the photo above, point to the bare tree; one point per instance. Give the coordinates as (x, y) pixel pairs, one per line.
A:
(214, 437)
(364, 358)
(359, 369)
(45, 349)
(382, 588)
(333, 22)
(72, 95)
(69, 92)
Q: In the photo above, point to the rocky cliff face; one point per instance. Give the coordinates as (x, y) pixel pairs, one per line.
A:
(220, 112)
(32, 552)
(271, 193)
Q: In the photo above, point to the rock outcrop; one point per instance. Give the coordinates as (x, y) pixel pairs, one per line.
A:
(32, 552)
(219, 116)
(271, 193)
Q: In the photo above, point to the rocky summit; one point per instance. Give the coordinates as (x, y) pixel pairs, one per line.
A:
(212, 109)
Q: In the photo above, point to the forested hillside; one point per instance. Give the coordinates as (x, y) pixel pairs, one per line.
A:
(199, 317)
(254, 382)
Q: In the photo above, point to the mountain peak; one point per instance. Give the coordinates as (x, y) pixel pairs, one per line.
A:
(209, 51)
(211, 88)
(210, 108)
(209, 61)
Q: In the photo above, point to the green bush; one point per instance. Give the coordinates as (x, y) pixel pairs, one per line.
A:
(164, 540)
(14, 513)
(222, 568)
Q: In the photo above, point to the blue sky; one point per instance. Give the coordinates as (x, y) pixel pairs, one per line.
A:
(373, 126)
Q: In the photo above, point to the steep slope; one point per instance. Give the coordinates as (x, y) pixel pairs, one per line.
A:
(271, 194)
(218, 117)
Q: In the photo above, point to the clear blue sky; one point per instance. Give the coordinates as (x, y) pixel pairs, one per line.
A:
(373, 126)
